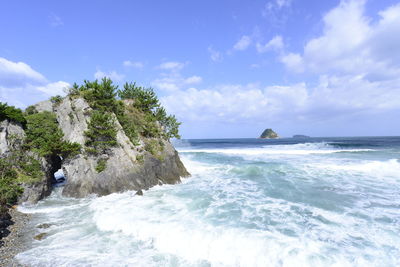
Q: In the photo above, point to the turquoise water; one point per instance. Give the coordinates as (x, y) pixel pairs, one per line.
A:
(249, 202)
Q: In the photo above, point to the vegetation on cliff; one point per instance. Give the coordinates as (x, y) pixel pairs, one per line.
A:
(16, 167)
(45, 137)
(21, 164)
(12, 114)
(136, 108)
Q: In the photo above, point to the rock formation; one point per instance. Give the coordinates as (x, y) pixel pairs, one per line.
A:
(269, 134)
(129, 166)
(11, 134)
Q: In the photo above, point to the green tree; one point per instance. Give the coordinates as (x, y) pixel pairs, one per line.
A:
(11, 113)
(101, 133)
(45, 137)
(101, 96)
(145, 99)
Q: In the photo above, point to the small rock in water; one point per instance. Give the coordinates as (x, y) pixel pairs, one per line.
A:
(40, 236)
(139, 193)
(44, 225)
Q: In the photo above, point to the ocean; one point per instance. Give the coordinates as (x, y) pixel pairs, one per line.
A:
(249, 202)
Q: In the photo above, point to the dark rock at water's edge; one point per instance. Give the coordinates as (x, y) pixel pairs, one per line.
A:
(269, 134)
(301, 136)
(20, 235)
(5, 221)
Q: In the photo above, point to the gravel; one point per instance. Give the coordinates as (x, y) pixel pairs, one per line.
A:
(18, 239)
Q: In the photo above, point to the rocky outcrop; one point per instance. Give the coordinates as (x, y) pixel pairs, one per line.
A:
(269, 134)
(35, 191)
(129, 167)
(9, 133)
(11, 136)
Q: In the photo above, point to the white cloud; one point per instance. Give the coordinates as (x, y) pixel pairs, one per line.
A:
(283, 3)
(174, 81)
(20, 85)
(277, 12)
(215, 55)
(351, 44)
(172, 66)
(18, 74)
(332, 97)
(56, 88)
(243, 43)
(55, 20)
(133, 64)
(193, 80)
(235, 103)
(275, 44)
(113, 75)
(293, 61)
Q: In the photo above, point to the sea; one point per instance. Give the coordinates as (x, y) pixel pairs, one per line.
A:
(248, 202)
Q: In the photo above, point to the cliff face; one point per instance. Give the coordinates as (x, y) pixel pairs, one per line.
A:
(8, 130)
(129, 166)
(10, 135)
(269, 134)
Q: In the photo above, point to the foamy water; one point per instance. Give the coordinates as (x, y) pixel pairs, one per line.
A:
(248, 203)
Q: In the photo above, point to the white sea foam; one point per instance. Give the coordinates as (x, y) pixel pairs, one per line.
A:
(294, 212)
(295, 149)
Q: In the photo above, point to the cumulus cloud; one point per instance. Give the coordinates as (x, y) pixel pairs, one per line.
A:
(215, 55)
(332, 97)
(293, 61)
(56, 88)
(243, 43)
(173, 80)
(133, 64)
(21, 85)
(113, 75)
(18, 74)
(171, 65)
(193, 79)
(275, 44)
(352, 43)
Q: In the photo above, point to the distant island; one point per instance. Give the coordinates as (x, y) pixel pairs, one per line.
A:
(300, 136)
(269, 134)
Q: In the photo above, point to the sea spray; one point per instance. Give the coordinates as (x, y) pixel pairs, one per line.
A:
(315, 203)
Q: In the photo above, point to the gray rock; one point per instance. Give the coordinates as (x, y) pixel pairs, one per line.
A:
(44, 106)
(8, 130)
(33, 192)
(124, 171)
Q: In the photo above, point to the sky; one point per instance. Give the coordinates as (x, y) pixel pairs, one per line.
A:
(226, 68)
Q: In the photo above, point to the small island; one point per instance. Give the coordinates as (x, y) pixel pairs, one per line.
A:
(269, 134)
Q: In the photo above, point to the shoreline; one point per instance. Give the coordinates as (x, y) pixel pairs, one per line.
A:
(17, 240)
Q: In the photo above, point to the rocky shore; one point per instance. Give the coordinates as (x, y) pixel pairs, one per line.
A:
(17, 240)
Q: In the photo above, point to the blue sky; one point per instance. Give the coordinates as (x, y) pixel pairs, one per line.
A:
(224, 68)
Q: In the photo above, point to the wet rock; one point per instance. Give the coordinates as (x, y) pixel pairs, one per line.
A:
(44, 225)
(40, 236)
(139, 193)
